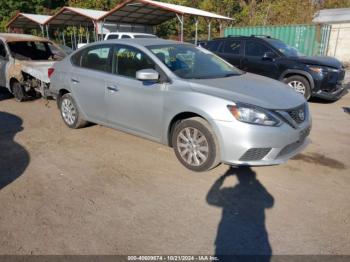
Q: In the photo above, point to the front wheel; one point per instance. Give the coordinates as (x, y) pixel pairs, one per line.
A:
(195, 144)
(299, 84)
(70, 112)
(18, 92)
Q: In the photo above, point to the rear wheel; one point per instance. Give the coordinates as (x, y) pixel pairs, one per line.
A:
(18, 92)
(195, 144)
(70, 112)
(299, 84)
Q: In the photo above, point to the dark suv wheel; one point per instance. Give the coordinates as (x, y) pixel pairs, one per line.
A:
(299, 84)
(195, 144)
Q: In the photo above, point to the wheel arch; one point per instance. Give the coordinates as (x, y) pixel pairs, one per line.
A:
(61, 93)
(293, 72)
(185, 115)
(11, 82)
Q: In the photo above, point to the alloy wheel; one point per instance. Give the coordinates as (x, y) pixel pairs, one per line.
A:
(193, 146)
(69, 111)
(298, 86)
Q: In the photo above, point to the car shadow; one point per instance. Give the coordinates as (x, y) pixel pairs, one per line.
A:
(14, 158)
(5, 94)
(242, 232)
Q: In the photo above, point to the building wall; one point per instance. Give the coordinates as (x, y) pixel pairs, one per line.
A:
(339, 42)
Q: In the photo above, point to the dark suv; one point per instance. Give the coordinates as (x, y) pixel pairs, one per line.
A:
(316, 76)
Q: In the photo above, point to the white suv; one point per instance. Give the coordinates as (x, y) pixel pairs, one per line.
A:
(120, 35)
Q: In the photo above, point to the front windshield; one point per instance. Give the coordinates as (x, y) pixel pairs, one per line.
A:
(190, 62)
(284, 48)
(35, 50)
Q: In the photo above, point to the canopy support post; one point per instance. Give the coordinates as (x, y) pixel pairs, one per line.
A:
(63, 38)
(209, 30)
(42, 31)
(181, 20)
(47, 32)
(95, 31)
(196, 35)
(75, 39)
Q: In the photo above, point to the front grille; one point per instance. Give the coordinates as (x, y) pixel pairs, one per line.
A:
(255, 154)
(298, 114)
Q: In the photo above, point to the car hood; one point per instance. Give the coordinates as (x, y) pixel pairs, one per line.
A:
(37, 69)
(321, 61)
(251, 89)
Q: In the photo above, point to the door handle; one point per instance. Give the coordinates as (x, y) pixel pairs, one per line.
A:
(113, 88)
(74, 80)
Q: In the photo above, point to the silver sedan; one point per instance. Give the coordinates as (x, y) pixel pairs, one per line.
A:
(185, 97)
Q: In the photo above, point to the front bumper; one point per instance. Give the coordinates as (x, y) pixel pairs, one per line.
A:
(245, 144)
(332, 96)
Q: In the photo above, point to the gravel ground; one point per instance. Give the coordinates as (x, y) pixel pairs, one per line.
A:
(101, 191)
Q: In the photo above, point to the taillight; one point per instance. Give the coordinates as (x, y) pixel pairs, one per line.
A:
(50, 72)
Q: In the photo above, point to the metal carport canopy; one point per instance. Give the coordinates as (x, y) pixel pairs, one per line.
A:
(27, 21)
(153, 12)
(73, 16)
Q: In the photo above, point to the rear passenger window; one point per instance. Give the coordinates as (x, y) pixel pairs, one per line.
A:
(125, 36)
(254, 48)
(212, 45)
(76, 58)
(232, 47)
(128, 60)
(97, 58)
(110, 37)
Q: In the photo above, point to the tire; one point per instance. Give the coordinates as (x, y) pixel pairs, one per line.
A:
(195, 144)
(70, 112)
(18, 92)
(300, 84)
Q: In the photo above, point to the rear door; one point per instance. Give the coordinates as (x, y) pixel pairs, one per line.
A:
(232, 51)
(254, 62)
(88, 80)
(3, 64)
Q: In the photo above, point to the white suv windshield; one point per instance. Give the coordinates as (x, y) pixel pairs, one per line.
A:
(192, 62)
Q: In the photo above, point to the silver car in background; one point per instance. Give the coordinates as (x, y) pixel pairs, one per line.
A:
(185, 97)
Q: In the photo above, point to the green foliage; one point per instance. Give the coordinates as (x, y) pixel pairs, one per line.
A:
(244, 12)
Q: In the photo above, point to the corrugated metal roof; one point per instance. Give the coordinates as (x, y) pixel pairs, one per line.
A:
(74, 16)
(332, 16)
(153, 12)
(93, 14)
(22, 20)
(40, 19)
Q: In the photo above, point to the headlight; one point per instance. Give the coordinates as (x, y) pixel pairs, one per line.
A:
(319, 69)
(316, 69)
(253, 115)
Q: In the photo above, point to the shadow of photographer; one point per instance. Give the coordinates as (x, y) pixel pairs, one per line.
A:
(242, 229)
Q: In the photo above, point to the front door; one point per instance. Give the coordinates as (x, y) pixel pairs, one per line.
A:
(254, 62)
(3, 64)
(133, 104)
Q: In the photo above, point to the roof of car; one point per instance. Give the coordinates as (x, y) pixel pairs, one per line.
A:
(9, 37)
(129, 33)
(144, 41)
(242, 36)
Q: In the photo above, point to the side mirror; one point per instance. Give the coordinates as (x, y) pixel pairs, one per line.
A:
(269, 56)
(147, 75)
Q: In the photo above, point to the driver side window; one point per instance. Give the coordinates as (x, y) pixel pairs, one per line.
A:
(254, 48)
(3, 52)
(128, 60)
